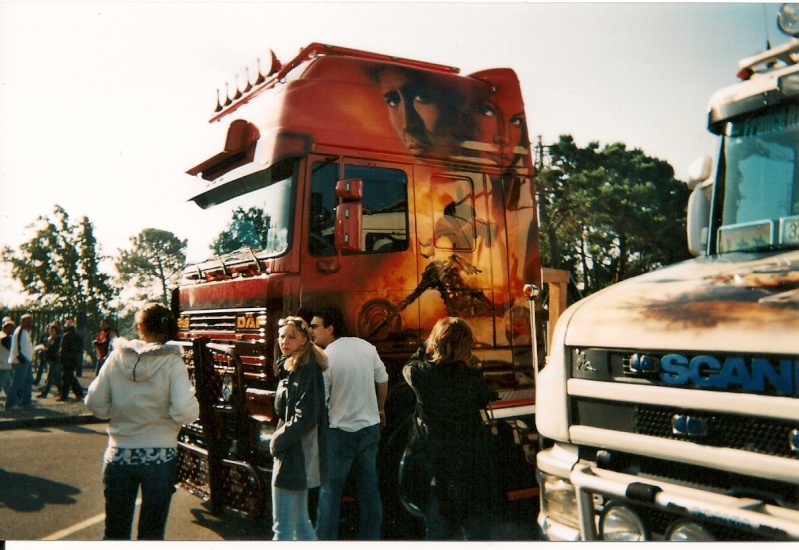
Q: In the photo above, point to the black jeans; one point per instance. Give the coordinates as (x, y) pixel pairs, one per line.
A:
(69, 382)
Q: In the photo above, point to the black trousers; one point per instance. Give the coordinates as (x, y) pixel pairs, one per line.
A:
(70, 382)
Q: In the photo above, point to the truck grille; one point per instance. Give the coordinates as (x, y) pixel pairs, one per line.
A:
(238, 321)
(217, 322)
(758, 435)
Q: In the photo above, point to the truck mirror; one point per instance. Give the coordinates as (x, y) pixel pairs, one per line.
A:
(699, 171)
(698, 218)
(349, 217)
(350, 189)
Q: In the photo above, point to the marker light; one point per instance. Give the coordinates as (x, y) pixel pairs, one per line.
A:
(789, 85)
(531, 291)
(788, 19)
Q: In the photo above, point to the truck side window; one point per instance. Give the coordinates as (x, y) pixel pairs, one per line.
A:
(453, 204)
(323, 182)
(384, 207)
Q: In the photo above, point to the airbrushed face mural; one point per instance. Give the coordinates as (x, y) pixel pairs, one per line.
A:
(395, 108)
(445, 202)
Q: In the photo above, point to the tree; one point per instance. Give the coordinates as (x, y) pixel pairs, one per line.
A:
(247, 228)
(59, 268)
(609, 214)
(154, 258)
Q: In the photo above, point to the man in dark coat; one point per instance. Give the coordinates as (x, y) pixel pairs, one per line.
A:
(71, 355)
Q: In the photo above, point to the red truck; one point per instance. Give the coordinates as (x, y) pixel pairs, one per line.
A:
(399, 191)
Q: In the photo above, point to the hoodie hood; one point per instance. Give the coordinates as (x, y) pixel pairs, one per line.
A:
(130, 353)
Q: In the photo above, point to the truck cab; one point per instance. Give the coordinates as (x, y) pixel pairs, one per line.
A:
(668, 405)
(397, 190)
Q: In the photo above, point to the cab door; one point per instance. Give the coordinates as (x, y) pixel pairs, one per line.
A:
(371, 276)
(459, 246)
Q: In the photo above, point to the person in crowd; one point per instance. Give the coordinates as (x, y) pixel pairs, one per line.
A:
(39, 361)
(71, 357)
(356, 384)
(52, 347)
(300, 435)
(103, 342)
(144, 390)
(450, 392)
(20, 354)
(5, 351)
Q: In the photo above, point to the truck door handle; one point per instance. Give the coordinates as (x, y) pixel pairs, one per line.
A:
(328, 266)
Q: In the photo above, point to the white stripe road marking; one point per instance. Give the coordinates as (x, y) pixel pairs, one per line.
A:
(58, 535)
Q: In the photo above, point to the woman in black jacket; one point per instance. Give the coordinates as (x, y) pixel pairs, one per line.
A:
(297, 443)
(450, 391)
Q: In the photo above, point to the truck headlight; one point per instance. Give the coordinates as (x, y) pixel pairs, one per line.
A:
(686, 531)
(559, 500)
(619, 523)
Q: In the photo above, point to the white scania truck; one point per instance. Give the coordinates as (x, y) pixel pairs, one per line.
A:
(669, 406)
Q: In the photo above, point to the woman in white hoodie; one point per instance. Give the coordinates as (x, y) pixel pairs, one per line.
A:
(144, 389)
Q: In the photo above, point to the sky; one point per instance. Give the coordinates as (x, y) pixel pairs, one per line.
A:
(105, 105)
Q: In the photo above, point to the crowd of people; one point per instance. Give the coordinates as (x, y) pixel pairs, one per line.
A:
(330, 406)
(59, 352)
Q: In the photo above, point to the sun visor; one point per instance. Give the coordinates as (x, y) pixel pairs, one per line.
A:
(245, 178)
(239, 149)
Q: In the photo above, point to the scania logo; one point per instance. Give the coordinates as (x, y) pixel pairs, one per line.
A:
(757, 375)
(584, 363)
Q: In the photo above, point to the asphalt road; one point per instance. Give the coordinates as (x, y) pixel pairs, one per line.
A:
(51, 489)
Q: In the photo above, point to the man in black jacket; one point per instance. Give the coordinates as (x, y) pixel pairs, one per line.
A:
(71, 356)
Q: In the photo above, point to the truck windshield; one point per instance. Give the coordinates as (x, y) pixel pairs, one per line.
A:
(760, 190)
(254, 211)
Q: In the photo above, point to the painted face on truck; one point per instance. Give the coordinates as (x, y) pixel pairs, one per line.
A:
(417, 111)
(504, 131)
(499, 120)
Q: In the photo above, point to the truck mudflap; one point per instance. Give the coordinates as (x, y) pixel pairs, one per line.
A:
(728, 517)
(223, 457)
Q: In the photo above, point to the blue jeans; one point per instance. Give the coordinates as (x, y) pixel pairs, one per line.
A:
(290, 519)
(122, 482)
(346, 451)
(5, 381)
(21, 388)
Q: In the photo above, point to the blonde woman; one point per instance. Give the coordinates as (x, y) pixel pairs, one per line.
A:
(450, 391)
(297, 443)
(144, 389)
